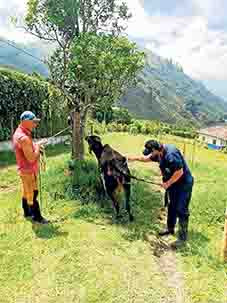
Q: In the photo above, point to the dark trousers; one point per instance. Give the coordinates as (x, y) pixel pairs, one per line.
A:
(179, 199)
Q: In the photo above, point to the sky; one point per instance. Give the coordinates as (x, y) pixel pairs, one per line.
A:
(191, 32)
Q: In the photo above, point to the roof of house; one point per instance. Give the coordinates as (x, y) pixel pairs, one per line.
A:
(219, 132)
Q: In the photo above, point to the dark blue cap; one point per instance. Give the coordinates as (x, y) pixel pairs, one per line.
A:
(29, 116)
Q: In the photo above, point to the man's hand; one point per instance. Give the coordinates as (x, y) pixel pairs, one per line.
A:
(42, 142)
(166, 185)
(175, 177)
(41, 145)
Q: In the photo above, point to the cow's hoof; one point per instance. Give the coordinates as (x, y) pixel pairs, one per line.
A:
(131, 218)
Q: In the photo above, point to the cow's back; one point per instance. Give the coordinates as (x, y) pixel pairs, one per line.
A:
(114, 159)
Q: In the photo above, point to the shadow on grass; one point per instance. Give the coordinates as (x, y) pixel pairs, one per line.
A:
(48, 231)
(145, 204)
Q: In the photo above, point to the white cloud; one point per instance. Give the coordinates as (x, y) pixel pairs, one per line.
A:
(13, 8)
(189, 40)
(201, 51)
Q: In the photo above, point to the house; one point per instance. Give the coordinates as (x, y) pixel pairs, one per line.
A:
(215, 137)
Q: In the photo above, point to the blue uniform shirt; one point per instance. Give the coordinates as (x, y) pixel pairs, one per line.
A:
(172, 161)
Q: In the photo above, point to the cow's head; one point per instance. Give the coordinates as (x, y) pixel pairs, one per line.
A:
(94, 143)
(152, 148)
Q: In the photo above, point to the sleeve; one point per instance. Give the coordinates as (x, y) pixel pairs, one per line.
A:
(174, 162)
(26, 145)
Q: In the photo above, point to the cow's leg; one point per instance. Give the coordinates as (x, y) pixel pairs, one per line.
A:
(115, 203)
(127, 188)
(102, 191)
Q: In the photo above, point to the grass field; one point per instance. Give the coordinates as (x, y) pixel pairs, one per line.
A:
(85, 257)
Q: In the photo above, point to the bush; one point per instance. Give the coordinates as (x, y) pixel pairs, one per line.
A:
(133, 130)
(20, 92)
(86, 182)
(98, 128)
(125, 128)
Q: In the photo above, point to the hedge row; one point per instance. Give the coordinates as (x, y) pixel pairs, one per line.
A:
(20, 92)
(141, 127)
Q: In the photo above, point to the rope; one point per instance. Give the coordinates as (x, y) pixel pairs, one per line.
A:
(134, 177)
(42, 168)
(42, 165)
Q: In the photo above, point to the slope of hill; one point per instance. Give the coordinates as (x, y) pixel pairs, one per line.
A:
(165, 92)
(14, 58)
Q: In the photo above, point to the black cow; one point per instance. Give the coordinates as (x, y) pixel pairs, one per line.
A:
(114, 172)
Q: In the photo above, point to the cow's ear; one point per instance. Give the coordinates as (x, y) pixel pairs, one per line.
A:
(98, 139)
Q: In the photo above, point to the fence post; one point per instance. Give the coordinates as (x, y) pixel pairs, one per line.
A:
(193, 152)
(184, 149)
(225, 238)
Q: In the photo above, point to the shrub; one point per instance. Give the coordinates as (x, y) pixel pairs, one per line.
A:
(20, 92)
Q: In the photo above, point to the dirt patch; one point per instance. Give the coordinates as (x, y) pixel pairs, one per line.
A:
(167, 263)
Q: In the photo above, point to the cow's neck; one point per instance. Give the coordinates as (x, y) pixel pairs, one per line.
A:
(98, 152)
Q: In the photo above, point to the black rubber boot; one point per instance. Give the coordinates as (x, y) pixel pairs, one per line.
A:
(182, 235)
(36, 213)
(37, 217)
(27, 209)
(166, 232)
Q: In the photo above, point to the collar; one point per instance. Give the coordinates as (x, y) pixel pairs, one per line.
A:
(25, 130)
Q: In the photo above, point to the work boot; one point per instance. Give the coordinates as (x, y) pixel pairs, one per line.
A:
(182, 235)
(26, 208)
(166, 232)
(37, 217)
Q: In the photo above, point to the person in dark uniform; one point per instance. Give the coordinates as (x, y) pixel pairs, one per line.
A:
(178, 183)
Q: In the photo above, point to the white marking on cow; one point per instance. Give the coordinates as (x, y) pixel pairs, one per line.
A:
(103, 181)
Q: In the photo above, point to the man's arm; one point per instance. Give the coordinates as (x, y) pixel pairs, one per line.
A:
(140, 158)
(26, 145)
(175, 177)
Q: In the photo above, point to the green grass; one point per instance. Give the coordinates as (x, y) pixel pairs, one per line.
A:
(87, 257)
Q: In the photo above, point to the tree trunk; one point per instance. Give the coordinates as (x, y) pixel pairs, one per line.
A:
(79, 124)
(76, 135)
(82, 133)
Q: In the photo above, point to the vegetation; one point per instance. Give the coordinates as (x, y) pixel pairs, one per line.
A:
(112, 114)
(123, 122)
(20, 92)
(166, 93)
(83, 256)
(92, 64)
(101, 69)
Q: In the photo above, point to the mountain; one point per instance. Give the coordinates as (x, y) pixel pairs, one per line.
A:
(165, 92)
(11, 56)
(218, 87)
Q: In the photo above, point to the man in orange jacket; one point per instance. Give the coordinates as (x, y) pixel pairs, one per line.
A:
(27, 157)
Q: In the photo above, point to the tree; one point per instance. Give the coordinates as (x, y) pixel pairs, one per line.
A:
(61, 22)
(100, 70)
